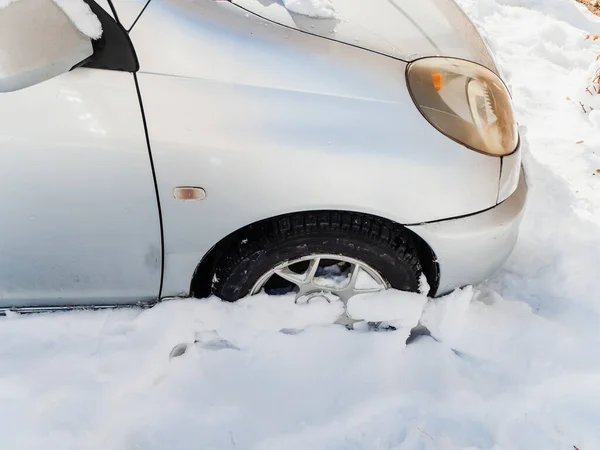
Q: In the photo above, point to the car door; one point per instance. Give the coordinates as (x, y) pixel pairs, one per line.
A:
(79, 220)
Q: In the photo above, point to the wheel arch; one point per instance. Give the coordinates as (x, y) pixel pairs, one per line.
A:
(202, 280)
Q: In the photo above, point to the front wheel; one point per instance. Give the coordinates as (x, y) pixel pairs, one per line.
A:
(330, 255)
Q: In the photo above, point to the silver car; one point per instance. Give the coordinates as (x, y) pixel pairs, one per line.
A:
(230, 148)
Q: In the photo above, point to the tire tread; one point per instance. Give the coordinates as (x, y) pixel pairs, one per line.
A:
(248, 243)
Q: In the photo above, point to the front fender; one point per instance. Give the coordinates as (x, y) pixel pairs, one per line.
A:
(277, 121)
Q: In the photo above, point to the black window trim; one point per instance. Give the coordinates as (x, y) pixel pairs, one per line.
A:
(114, 50)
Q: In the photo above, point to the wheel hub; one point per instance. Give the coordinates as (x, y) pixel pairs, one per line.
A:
(316, 296)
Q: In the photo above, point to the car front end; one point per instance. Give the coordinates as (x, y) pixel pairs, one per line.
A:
(392, 111)
(470, 104)
(469, 249)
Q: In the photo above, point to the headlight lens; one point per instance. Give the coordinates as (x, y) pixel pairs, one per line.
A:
(466, 102)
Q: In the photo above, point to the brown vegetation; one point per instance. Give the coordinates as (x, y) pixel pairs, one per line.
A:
(593, 6)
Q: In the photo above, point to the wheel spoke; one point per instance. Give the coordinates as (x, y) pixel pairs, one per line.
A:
(350, 291)
(291, 276)
(366, 290)
(354, 277)
(346, 320)
(312, 270)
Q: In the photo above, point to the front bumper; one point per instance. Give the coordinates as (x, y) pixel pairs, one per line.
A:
(470, 249)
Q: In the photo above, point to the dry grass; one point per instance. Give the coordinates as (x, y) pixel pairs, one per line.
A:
(595, 8)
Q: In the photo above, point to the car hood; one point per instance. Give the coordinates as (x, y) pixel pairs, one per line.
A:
(404, 29)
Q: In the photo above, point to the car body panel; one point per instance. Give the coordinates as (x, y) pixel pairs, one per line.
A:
(470, 249)
(270, 121)
(405, 29)
(510, 176)
(128, 11)
(78, 212)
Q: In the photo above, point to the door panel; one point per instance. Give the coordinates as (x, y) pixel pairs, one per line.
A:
(129, 11)
(79, 220)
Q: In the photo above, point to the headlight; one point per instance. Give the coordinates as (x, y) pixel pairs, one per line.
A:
(466, 102)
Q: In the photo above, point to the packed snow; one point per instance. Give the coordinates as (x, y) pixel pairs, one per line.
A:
(80, 14)
(511, 364)
(318, 9)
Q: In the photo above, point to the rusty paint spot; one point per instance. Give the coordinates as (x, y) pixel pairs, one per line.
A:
(189, 193)
(579, 142)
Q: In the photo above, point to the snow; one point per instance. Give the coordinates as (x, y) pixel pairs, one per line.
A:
(588, 98)
(400, 309)
(80, 14)
(319, 9)
(511, 364)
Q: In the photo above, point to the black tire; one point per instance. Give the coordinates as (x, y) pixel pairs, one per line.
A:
(259, 248)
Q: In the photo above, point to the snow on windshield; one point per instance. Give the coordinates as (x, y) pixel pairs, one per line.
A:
(80, 14)
(319, 9)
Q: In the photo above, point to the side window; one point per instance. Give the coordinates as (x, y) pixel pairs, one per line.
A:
(114, 50)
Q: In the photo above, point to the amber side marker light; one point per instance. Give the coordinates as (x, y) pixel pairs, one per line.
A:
(189, 193)
(438, 81)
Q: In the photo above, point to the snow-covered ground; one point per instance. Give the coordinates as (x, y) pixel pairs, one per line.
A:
(513, 364)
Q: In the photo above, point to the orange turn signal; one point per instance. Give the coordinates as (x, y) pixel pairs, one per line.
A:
(438, 81)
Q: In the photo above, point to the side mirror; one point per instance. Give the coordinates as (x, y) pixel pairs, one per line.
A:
(38, 41)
